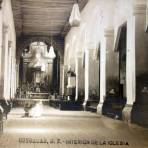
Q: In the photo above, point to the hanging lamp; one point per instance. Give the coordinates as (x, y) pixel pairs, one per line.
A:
(52, 54)
(75, 17)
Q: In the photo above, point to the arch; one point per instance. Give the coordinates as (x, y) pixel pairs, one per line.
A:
(58, 43)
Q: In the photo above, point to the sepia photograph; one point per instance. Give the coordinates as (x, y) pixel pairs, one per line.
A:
(73, 73)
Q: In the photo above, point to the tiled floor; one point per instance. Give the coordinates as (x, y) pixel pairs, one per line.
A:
(67, 129)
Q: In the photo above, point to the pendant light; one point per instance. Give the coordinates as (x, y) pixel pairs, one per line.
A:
(75, 17)
(52, 54)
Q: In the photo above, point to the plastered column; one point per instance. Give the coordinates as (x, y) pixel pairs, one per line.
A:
(111, 66)
(86, 77)
(130, 70)
(9, 68)
(12, 77)
(25, 67)
(140, 107)
(90, 67)
(4, 68)
(61, 77)
(112, 62)
(1, 40)
(50, 77)
(65, 80)
(79, 77)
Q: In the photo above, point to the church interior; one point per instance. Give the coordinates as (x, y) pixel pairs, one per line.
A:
(73, 73)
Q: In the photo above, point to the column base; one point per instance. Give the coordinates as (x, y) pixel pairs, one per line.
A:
(113, 106)
(126, 113)
(140, 114)
(99, 108)
(85, 105)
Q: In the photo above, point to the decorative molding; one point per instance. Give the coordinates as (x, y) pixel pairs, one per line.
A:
(108, 32)
(139, 9)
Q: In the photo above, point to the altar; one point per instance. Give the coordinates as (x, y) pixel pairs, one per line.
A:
(38, 95)
(37, 80)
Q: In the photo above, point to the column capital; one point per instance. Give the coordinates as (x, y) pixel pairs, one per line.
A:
(109, 32)
(139, 9)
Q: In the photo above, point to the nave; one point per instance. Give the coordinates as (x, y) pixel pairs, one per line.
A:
(61, 128)
(73, 69)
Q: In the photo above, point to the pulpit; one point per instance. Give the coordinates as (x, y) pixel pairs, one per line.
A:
(71, 87)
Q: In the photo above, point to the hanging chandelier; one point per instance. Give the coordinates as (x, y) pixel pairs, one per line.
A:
(52, 54)
(75, 17)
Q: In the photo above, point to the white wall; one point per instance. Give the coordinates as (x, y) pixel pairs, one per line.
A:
(124, 9)
(10, 77)
(8, 21)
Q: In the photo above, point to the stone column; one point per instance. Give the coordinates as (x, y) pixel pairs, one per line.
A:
(4, 68)
(1, 40)
(65, 79)
(12, 77)
(17, 75)
(79, 76)
(25, 67)
(140, 107)
(14, 91)
(90, 67)
(130, 70)
(50, 74)
(61, 77)
(111, 66)
(102, 75)
(9, 68)
(86, 77)
(112, 62)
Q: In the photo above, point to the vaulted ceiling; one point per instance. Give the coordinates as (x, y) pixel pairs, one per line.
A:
(43, 17)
